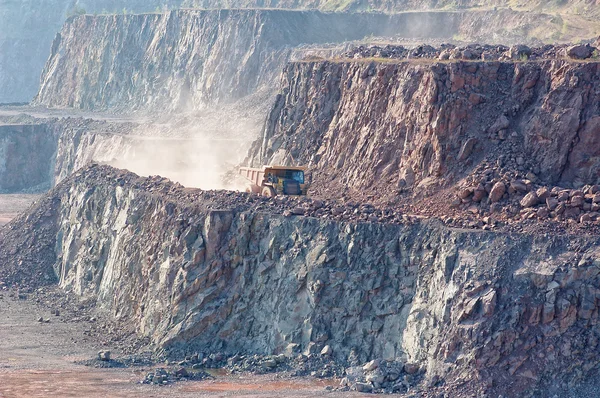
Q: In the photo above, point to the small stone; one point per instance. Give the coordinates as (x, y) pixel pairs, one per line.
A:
(585, 218)
(543, 212)
(467, 149)
(563, 196)
(465, 193)
(583, 51)
(370, 366)
(181, 372)
(327, 351)
(364, 387)
(375, 377)
(531, 177)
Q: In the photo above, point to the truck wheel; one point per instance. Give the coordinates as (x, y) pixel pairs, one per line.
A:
(268, 191)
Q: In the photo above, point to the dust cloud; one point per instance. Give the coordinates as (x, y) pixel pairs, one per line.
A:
(196, 154)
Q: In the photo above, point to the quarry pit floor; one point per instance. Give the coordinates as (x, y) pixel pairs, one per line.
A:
(38, 360)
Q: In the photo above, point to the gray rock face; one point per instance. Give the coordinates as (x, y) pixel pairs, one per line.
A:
(240, 280)
(189, 59)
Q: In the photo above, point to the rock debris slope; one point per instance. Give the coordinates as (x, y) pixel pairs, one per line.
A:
(231, 272)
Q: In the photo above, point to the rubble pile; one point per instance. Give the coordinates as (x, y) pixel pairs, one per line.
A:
(516, 199)
(475, 52)
(162, 376)
(377, 376)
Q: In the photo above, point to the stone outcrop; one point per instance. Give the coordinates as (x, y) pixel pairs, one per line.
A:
(213, 271)
(366, 125)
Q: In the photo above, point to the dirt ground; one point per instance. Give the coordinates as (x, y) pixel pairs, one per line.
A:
(38, 360)
(12, 205)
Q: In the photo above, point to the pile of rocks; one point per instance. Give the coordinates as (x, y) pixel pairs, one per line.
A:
(521, 198)
(162, 376)
(380, 376)
(475, 52)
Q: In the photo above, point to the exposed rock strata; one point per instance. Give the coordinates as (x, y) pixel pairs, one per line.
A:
(503, 310)
(408, 123)
(191, 59)
(187, 59)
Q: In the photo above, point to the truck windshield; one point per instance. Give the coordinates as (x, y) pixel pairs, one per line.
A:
(297, 175)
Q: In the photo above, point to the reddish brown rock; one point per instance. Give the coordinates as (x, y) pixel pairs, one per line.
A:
(497, 192)
(530, 200)
(542, 194)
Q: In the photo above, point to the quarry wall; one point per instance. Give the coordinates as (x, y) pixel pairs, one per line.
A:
(192, 269)
(409, 123)
(190, 59)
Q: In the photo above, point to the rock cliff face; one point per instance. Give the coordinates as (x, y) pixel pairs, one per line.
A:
(27, 28)
(189, 59)
(427, 124)
(27, 154)
(211, 270)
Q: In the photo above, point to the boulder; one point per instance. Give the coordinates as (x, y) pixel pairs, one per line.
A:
(327, 351)
(530, 200)
(519, 186)
(467, 149)
(582, 51)
(497, 192)
(577, 201)
(543, 194)
(519, 51)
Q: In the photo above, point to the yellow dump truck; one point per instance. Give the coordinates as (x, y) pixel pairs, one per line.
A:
(276, 180)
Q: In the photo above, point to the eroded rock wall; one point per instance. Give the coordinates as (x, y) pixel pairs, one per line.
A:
(380, 126)
(189, 59)
(511, 311)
